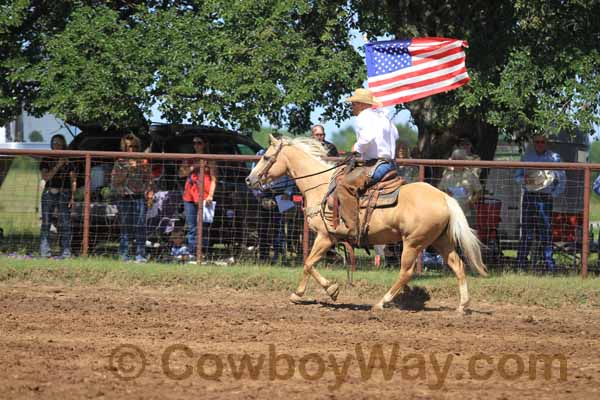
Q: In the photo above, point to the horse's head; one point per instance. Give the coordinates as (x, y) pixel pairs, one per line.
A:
(269, 167)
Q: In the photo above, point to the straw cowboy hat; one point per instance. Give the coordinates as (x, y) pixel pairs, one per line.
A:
(539, 179)
(364, 96)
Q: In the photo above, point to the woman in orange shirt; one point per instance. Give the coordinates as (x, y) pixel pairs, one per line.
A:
(191, 193)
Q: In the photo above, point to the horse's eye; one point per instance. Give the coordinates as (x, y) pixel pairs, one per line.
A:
(266, 158)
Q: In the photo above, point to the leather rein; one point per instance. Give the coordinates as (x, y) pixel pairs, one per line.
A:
(271, 160)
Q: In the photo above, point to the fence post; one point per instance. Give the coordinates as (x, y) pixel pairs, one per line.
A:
(200, 213)
(585, 247)
(420, 256)
(86, 205)
(305, 233)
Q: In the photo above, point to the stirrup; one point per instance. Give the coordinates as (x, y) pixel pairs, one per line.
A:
(363, 242)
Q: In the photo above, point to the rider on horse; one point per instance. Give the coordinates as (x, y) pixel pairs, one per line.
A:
(376, 139)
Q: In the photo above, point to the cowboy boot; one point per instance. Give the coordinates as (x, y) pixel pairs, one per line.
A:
(347, 192)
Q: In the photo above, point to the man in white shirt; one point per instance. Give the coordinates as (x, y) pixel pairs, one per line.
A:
(376, 139)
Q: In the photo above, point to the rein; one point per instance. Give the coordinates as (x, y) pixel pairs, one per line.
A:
(273, 159)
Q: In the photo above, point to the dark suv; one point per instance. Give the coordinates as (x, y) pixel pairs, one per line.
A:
(236, 214)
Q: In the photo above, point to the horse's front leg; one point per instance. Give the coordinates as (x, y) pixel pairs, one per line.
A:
(322, 243)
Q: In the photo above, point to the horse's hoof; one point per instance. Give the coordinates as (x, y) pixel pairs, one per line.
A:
(294, 298)
(376, 312)
(377, 308)
(333, 290)
(462, 311)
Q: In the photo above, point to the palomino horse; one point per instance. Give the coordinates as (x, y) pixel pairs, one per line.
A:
(423, 216)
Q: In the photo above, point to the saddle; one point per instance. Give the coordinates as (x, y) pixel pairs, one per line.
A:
(383, 194)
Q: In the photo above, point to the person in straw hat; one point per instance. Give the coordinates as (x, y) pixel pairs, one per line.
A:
(462, 184)
(376, 139)
(539, 189)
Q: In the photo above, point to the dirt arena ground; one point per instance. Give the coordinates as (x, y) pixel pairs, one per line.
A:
(93, 342)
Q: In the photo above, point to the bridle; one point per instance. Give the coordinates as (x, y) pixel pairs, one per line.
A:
(271, 160)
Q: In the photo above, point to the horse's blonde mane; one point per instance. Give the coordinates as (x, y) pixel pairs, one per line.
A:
(310, 146)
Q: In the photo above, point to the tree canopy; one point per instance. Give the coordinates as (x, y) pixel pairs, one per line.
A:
(534, 65)
(227, 63)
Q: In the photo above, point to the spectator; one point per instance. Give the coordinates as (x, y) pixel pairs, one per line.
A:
(540, 188)
(179, 250)
(192, 197)
(596, 185)
(271, 230)
(318, 133)
(416, 153)
(465, 144)
(409, 173)
(61, 183)
(463, 185)
(131, 180)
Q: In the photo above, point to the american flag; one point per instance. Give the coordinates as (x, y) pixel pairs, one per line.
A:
(400, 71)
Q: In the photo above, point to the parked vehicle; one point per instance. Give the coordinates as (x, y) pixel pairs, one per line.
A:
(236, 215)
(6, 160)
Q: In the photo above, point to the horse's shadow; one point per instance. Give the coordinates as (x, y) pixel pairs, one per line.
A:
(412, 299)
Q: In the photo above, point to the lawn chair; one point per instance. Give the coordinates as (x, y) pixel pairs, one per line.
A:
(487, 222)
(567, 238)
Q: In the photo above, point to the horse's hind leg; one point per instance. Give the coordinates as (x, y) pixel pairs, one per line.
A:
(447, 250)
(407, 269)
(322, 243)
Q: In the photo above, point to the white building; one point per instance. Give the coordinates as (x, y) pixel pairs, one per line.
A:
(24, 127)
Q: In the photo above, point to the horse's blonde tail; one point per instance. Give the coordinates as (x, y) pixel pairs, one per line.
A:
(460, 233)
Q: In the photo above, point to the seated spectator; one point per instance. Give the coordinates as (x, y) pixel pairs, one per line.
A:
(192, 198)
(179, 251)
(131, 181)
(462, 184)
(60, 176)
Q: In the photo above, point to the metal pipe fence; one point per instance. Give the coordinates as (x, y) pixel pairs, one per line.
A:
(521, 227)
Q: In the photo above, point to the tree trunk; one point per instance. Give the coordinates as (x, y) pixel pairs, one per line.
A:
(437, 143)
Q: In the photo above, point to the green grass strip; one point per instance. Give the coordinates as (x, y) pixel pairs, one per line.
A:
(507, 288)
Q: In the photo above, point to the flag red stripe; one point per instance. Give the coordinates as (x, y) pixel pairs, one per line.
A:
(419, 61)
(414, 85)
(416, 50)
(420, 95)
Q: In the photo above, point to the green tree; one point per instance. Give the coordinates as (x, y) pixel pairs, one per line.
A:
(36, 136)
(220, 62)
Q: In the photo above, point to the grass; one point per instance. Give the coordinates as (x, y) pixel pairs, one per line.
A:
(594, 207)
(506, 288)
(20, 199)
(19, 202)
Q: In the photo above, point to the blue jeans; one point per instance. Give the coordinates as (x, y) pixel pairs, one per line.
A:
(536, 218)
(271, 232)
(191, 219)
(380, 172)
(132, 217)
(50, 201)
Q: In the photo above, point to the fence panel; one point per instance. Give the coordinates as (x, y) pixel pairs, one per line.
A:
(522, 227)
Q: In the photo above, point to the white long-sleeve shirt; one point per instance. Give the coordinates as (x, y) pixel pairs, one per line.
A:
(376, 135)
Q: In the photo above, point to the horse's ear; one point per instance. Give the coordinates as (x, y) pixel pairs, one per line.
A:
(273, 140)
